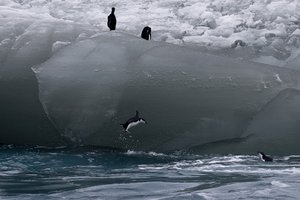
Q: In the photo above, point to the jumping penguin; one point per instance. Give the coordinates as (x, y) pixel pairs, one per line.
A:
(264, 158)
(133, 122)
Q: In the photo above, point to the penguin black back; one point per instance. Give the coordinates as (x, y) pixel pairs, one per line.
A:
(111, 20)
(146, 33)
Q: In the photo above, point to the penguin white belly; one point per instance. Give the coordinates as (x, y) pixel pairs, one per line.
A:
(132, 124)
(261, 157)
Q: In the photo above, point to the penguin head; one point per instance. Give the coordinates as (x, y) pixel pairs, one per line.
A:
(113, 9)
(142, 120)
(260, 153)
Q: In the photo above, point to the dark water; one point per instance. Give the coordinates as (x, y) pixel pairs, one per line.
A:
(86, 173)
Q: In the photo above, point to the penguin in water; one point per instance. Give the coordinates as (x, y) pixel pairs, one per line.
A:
(111, 20)
(146, 33)
(133, 121)
(264, 158)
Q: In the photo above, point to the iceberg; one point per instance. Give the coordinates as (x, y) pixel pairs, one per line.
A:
(189, 99)
(65, 81)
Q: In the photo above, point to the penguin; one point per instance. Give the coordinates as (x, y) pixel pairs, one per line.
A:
(238, 43)
(264, 158)
(111, 20)
(146, 33)
(133, 122)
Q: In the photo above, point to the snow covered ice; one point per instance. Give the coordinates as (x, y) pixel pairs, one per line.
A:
(270, 29)
(61, 70)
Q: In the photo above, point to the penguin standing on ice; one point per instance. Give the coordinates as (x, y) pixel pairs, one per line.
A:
(133, 122)
(111, 20)
(237, 43)
(264, 158)
(146, 33)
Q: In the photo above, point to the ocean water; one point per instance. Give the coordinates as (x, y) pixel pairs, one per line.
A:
(89, 173)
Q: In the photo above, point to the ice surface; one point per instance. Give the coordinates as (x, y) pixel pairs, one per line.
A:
(188, 98)
(97, 68)
(214, 24)
(276, 123)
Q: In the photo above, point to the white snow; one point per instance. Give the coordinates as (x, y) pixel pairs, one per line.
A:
(213, 24)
